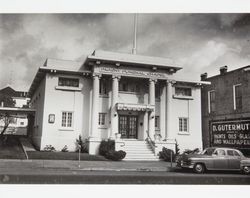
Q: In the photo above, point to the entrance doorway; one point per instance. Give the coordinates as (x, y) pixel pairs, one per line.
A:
(128, 126)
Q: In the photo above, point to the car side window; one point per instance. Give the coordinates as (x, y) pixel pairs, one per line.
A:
(230, 152)
(221, 152)
(236, 153)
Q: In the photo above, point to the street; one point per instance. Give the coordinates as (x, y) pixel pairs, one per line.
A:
(66, 176)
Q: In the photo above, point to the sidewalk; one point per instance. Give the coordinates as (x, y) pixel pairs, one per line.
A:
(87, 165)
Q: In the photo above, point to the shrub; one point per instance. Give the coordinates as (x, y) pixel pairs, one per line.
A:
(82, 144)
(177, 149)
(115, 155)
(166, 154)
(49, 148)
(65, 149)
(106, 146)
(107, 149)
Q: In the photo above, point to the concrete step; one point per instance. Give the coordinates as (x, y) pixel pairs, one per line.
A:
(139, 151)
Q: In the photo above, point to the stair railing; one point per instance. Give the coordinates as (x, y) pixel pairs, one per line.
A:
(150, 141)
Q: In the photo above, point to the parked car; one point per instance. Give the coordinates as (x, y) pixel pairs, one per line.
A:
(214, 158)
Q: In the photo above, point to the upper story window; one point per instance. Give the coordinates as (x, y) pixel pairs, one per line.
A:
(237, 92)
(183, 91)
(103, 89)
(211, 101)
(68, 82)
(157, 92)
(129, 87)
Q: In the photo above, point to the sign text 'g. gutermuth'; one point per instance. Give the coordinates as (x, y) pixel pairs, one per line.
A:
(235, 133)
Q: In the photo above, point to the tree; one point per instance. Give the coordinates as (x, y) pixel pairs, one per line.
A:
(5, 117)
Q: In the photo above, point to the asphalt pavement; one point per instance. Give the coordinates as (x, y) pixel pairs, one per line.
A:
(108, 172)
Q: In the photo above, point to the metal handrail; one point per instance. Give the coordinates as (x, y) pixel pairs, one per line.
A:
(150, 141)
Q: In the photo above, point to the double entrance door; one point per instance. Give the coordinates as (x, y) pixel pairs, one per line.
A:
(128, 126)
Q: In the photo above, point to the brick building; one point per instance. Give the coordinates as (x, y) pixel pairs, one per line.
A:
(226, 109)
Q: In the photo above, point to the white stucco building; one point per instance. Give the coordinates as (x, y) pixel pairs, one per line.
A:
(125, 97)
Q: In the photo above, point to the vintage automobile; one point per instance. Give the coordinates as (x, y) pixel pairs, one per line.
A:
(214, 158)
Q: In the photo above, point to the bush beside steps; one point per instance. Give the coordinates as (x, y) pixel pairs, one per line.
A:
(107, 149)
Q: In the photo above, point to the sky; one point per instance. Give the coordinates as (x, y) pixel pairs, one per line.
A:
(196, 42)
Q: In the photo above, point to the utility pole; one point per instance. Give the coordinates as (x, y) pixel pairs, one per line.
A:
(135, 32)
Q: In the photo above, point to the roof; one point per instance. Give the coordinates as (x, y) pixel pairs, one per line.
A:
(64, 65)
(139, 60)
(13, 93)
(245, 68)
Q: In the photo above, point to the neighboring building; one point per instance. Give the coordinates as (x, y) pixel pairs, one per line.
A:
(226, 109)
(119, 96)
(19, 123)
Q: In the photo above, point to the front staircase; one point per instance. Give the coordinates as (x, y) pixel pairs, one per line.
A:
(139, 150)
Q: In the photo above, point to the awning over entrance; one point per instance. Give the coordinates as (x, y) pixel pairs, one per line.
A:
(134, 107)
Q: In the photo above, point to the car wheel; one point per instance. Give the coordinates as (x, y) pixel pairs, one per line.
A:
(199, 168)
(246, 170)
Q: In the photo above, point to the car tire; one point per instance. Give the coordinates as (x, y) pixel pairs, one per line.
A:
(246, 169)
(199, 168)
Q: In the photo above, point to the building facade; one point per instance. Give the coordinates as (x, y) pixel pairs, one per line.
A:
(19, 121)
(226, 109)
(115, 96)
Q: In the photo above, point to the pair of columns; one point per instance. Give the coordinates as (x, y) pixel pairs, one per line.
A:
(114, 114)
(95, 106)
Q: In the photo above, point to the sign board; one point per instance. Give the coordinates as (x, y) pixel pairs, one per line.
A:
(130, 72)
(233, 133)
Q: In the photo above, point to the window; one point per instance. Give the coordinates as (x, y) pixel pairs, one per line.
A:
(237, 91)
(102, 119)
(183, 91)
(157, 91)
(157, 122)
(211, 101)
(236, 153)
(68, 82)
(220, 152)
(123, 86)
(132, 86)
(67, 119)
(183, 124)
(230, 152)
(21, 123)
(103, 89)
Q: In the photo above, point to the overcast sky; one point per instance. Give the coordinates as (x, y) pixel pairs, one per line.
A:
(197, 42)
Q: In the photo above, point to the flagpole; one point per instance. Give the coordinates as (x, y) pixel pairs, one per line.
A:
(135, 32)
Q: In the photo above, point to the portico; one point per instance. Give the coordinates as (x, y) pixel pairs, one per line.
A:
(134, 110)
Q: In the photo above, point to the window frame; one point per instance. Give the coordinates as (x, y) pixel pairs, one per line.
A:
(182, 95)
(66, 127)
(209, 101)
(77, 81)
(181, 125)
(157, 123)
(235, 97)
(100, 125)
(103, 88)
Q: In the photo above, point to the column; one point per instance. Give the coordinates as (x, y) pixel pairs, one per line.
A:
(163, 111)
(168, 106)
(151, 123)
(95, 105)
(114, 100)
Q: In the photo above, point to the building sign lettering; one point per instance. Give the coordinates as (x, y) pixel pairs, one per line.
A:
(127, 72)
(234, 133)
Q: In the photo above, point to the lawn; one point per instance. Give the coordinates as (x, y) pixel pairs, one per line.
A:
(44, 155)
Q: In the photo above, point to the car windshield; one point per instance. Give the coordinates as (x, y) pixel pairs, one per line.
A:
(208, 151)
